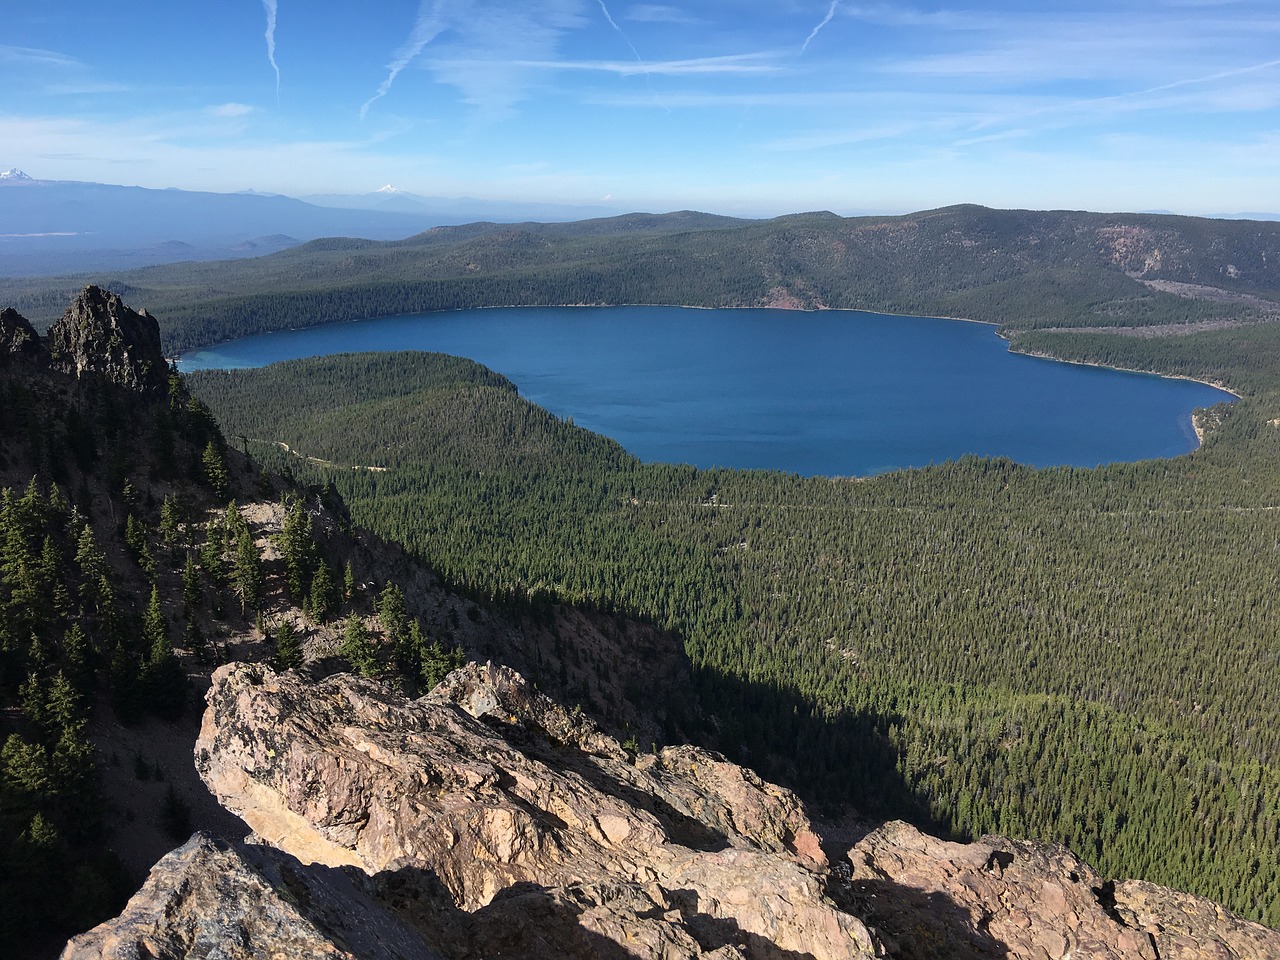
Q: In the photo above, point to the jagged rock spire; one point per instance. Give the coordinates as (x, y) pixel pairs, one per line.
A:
(100, 334)
(17, 337)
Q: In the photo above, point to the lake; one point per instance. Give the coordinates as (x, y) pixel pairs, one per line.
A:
(820, 393)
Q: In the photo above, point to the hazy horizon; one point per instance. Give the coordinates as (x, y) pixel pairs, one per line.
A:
(749, 109)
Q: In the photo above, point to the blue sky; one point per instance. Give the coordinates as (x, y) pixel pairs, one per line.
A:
(733, 106)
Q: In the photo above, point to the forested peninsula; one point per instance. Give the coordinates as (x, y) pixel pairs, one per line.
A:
(1087, 656)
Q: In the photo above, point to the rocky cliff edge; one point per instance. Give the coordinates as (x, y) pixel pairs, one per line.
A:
(484, 820)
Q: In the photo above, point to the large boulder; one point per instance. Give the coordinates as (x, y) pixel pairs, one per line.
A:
(492, 822)
(516, 809)
(99, 334)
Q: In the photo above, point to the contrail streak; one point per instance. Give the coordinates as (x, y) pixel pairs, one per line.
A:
(831, 12)
(613, 23)
(270, 7)
(427, 27)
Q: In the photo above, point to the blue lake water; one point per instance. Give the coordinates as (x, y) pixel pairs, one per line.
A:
(833, 393)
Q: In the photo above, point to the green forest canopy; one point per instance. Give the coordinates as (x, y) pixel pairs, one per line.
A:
(1082, 655)
(1088, 656)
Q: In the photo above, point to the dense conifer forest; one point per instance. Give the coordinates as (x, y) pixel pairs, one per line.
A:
(1025, 268)
(1088, 656)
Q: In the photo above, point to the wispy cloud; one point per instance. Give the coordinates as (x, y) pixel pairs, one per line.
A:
(843, 138)
(426, 28)
(483, 46)
(613, 23)
(748, 63)
(32, 55)
(270, 7)
(831, 12)
(659, 13)
(230, 110)
(897, 15)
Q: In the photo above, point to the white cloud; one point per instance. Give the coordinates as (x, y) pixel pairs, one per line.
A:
(230, 110)
(659, 13)
(34, 56)
(485, 40)
(746, 63)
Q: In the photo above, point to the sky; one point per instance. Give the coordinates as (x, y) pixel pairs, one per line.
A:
(748, 107)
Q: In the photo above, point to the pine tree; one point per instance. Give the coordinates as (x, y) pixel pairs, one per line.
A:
(165, 682)
(190, 585)
(297, 545)
(215, 470)
(134, 535)
(438, 663)
(323, 599)
(211, 552)
(395, 624)
(246, 573)
(357, 647)
(77, 660)
(288, 647)
(170, 520)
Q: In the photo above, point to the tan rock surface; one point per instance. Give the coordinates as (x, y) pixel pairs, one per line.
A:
(519, 809)
(210, 898)
(1011, 898)
(496, 823)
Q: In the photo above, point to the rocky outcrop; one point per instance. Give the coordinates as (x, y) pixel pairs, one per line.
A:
(18, 339)
(100, 334)
(505, 805)
(209, 898)
(485, 820)
(1010, 898)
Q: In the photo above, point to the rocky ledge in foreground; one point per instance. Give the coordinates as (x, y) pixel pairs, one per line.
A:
(483, 820)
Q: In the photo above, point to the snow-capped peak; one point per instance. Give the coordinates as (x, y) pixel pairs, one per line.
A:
(388, 189)
(13, 173)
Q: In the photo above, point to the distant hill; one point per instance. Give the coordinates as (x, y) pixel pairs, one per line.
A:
(457, 209)
(1020, 268)
(50, 226)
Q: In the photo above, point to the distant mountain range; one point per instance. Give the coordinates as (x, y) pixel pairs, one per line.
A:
(447, 210)
(59, 226)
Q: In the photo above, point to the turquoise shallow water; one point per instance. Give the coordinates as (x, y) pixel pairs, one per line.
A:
(833, 393)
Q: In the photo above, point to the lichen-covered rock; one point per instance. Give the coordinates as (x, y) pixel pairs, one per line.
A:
(209, 898)
(100, 334)
(496, 823)
(929, 898)
(18, 339)
(517, 808)
(1186, 927)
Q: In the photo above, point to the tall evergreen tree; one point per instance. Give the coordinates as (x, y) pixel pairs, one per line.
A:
(324, 595)
(357, 647)
(166, 684)
(288, 646)
(216, 476)
(246, 573)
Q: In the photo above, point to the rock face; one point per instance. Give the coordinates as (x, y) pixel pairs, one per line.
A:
(483, 820)
(18, 338)
(100, 334)
(517, 827)
(211, 899)
(1011, 898)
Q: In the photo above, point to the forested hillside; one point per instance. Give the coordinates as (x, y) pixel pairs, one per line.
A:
(1088, 656)
(1024, 269)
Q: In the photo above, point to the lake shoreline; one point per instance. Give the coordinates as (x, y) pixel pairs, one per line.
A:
(817, 392)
